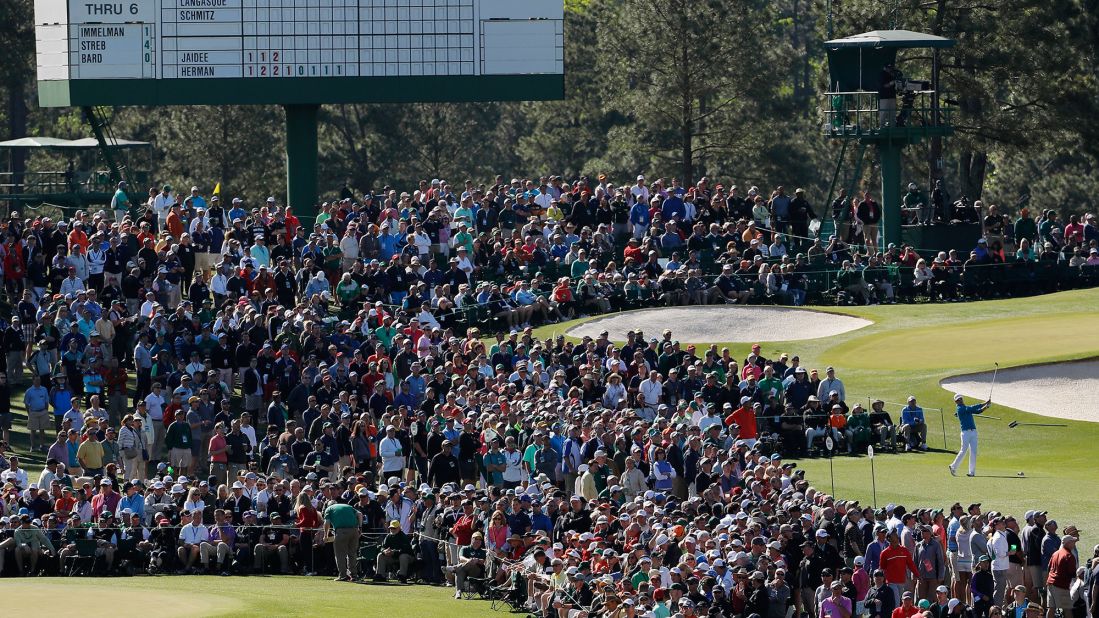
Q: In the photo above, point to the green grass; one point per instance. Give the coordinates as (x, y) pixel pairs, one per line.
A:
(908, 350)
(260, 597)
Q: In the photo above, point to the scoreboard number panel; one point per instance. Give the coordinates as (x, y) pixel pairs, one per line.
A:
(93, 52)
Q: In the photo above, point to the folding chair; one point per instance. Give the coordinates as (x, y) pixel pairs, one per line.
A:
(85, 554)
(368, 555)
(512, 595)
(475, 588)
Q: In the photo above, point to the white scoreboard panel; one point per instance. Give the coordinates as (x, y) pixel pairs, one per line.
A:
(279, 39)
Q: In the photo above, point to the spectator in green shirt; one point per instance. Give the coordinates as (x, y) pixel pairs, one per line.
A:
(495, 464)
(858, 428)
(120, 202)
(346, 521)
(30, 544)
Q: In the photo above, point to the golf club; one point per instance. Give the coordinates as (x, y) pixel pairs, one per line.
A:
(1014, 424)
(985, 416)
(993, 385)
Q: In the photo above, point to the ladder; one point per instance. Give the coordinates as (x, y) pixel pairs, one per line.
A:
(100, 123)
(850, 181)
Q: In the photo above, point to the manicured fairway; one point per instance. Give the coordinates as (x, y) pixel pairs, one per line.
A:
(240, 597)
(908, 350)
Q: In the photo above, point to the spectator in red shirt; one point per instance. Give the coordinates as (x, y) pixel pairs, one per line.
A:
(745, 420)
(219, 454)
(1062, 568)
(897, 562)
(907, 608)
(1074, 230)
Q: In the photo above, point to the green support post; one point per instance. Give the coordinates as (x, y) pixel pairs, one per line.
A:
(301, 161)
(890, 191)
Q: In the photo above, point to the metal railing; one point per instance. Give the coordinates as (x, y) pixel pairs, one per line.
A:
(52, 182)
(857, 114)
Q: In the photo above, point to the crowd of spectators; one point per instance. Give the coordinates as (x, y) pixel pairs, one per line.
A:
(221, 390)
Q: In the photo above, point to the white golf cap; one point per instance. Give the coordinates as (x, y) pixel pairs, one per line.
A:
(957, 396)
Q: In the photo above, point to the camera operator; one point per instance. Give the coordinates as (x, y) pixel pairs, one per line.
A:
(887, 96)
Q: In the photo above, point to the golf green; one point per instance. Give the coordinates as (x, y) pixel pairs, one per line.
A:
(907, 351)
(1007, 340)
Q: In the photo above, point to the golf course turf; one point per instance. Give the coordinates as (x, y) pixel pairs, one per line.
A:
(210, 596)
(907, 351)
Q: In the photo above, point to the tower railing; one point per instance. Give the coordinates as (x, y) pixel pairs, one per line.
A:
(857, 114)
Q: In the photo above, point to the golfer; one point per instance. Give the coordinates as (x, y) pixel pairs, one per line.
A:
(969, 433)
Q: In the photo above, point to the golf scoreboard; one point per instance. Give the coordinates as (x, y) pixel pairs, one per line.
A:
(164, 52)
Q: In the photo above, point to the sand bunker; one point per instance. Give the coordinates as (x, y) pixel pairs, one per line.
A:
(724, 323)
(1060, 390)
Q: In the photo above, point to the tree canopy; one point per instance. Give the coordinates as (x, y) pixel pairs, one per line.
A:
(687, 88)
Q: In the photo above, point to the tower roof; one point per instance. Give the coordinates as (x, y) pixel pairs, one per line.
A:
(890, 38)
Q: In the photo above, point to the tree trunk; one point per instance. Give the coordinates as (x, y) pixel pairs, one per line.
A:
(687, 144)
(686, 122)
(971, 172)
(17, 127)
(226, 168)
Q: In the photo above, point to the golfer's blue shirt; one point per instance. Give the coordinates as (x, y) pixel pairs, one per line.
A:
(965, 416)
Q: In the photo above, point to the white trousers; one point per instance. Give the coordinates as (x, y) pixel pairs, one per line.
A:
(969, 443)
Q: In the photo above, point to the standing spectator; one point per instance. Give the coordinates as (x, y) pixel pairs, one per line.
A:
(345, 522)
(1062, 573)
(897, 563)
(931, 562)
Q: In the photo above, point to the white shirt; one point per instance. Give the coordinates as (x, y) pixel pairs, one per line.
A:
(162, 204)
(97, 258)
(707, 421)
(427, 320)
(999, 549)
(249, 431)
(71, 285)
(18, 476)
(350, 247)
(194, 224)
(543, 200)
(193, 535)
(392, 456)
(513, 473)
(154, 405)
(465, 265)
(652, 391)
(400, 511)
(423, 244)
(219, 284)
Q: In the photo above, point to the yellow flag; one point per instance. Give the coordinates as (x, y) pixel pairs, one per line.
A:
(217, 189)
